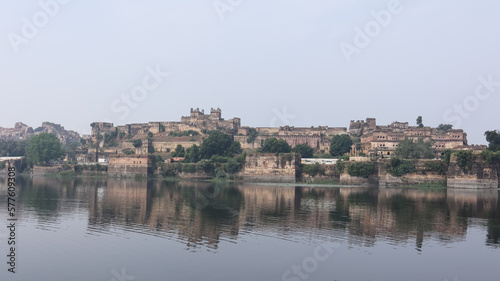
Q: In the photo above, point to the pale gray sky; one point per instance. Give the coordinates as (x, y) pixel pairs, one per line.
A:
(269, 62)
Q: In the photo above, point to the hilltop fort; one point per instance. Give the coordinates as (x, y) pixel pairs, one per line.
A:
(163, 137)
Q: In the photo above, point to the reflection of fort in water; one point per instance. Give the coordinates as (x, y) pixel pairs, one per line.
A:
(198, 213)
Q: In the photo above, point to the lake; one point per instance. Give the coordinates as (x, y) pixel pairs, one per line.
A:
(117, 230)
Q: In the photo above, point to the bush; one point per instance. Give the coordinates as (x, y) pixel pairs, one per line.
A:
(252, 136)
(340, 166)
(207, 166)
(436, 166)
(220, 174)
(232, 166)
(67, 167)
(314, 169)
(400, 167)
(189, 168)
(304, 150)
(128, 151)
(447, 156)
(360, 169)
(465, 159)
(137, 143)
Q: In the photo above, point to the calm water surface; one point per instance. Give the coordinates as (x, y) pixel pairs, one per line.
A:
(117, 230)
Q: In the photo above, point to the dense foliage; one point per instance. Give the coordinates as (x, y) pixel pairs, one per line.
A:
(192, 154)
(493, 137)
(137, 143)
(304, 150)
(341, 144)
(465, 159)
(13, 148)
(314, 169)
(273, 145)
(219, 143)
(42, 148)
(400, 167)
(179, 151)
(444, 127)
(360, 169)
(419, 122)
(420, 149)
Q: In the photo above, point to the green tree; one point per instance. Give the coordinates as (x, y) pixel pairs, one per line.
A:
(273, 145)
(13, 148)
(252, 135)
(465, 159)
(179, 151)
(341, 144)
(137, 143)
(218, 143)
(419, 122)
(71, 149)
(493, 137)
(304, 150)
(444, 127)
(420, 149)
(42, 148)
(360, 169)
(192, 154)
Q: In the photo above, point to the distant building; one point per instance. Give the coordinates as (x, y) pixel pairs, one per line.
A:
(323, 161)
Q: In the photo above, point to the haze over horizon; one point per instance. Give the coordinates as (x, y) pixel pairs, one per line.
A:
(270, 63)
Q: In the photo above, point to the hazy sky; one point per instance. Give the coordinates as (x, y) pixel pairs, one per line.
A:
(304, 63)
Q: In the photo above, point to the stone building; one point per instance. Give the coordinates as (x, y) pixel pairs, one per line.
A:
(130, 165)
(384, 139)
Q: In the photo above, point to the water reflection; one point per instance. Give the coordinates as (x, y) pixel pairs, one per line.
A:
(200, 214)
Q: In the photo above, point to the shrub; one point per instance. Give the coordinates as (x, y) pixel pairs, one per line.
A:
(220, 174)
(436, 166)
(189, 168)
(207, 166)
(314, 169)
(340, 166)
(128, 151)
(232, 166)
(360, 169)
(400, 167)
(465, 159)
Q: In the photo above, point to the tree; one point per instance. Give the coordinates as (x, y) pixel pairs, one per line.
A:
(137, 143)
(12, 148)
(192, 154)
(218, 143)
(304, 150)
(420, 149)
(71, 149)
(42, 148)
(273, 145)
(493, 137)
(444, 127)
(419, 122)
(179, 151)
(341, 144)
(360, 169)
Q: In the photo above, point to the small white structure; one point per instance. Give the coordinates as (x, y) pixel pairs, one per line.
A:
(103, 161)
(323, 161)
